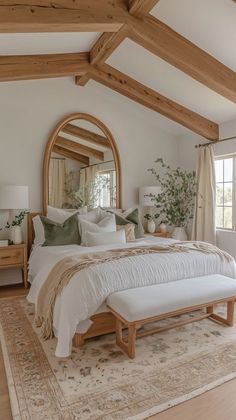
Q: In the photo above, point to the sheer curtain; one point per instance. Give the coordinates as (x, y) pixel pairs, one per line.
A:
(204, 215)
(88, 174)
(57, 177)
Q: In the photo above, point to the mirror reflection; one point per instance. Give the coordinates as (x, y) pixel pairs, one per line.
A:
(82, 168)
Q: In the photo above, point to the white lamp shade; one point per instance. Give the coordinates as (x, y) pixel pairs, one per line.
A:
(144, 196)
(14, 197)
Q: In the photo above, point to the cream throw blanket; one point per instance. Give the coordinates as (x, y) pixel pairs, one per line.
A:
(65, 269)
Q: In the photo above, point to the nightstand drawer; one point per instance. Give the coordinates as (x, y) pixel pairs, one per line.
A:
(11, 257)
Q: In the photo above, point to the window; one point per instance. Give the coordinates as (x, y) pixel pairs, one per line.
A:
(107, 193)
(225, 192)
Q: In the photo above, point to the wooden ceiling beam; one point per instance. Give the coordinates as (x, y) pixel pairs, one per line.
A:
(178, 51)
(87, 135)
(79, 148)
(140, 8)
(62, 15)
(27, 67)
(125, 85)
(71, 155)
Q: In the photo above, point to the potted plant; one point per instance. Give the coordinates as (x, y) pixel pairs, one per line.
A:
(151, 225)
(176, 200)
(15, 226)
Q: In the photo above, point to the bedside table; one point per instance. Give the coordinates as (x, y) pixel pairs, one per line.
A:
(159, 234)
(15, 256)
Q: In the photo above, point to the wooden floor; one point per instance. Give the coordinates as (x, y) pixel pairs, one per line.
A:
(217, 404)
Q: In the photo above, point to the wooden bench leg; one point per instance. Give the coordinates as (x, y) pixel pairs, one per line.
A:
(230, 315)
(79, 340)
(127, 347)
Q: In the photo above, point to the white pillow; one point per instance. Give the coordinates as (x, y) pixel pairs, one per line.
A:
(107, 224)
(60, 215)
(39, 236)
(105, 238)
(94, 216)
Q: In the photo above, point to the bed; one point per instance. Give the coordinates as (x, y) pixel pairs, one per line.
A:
(81, 312)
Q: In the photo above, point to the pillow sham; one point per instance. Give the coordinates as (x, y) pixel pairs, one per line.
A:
(66, 233)
(60, 215)
(39, 236)
(129, 231)
(93, 216)
(105, 238)
(107, 224)
(131, 216)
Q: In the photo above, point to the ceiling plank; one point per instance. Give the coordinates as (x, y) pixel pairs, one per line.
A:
(71, 155)
(141, 8)
(87, 135)
(172, 47)
(62, 15)
(134, 90)
(79, 148)
(27, 67)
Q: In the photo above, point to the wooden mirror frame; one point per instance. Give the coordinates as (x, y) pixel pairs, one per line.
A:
(50, 144)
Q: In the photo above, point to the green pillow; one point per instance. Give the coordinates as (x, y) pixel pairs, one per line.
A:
(132, 217)
(66, 233)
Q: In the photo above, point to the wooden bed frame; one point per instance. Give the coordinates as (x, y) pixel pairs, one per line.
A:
(103, 323)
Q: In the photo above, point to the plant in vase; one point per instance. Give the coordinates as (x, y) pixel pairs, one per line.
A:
(176, 200)
(15, 226)
(151, 225)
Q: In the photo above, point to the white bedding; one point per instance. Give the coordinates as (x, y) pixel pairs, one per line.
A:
(89, 288)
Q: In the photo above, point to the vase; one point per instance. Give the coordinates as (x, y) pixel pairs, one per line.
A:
(163, 228)
(179, 233)
(151, 226)
(16, 235)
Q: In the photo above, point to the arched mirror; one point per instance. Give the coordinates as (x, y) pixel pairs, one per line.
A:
(81, 165)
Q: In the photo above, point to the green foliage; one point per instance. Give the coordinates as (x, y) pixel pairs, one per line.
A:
(87, 195)
(179, 188)
(18, 220)
(149, 216)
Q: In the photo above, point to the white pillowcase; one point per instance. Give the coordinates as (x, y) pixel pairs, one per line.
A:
(94, 216)
(105, 238)
(60, 215)
(107, 224)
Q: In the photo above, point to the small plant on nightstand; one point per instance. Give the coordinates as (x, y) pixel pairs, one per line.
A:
(151, 225)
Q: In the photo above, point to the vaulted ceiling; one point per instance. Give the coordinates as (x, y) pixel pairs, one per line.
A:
(176, 57)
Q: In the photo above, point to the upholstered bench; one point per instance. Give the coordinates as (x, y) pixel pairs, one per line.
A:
(134, 308)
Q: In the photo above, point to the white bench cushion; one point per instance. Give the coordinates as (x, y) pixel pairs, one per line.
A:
(145, 302)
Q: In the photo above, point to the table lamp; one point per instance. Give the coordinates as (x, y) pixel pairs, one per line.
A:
(146, 200)
(14, 198)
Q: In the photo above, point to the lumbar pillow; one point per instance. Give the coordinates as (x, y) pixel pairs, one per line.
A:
(129, 231)
(105, 238)
(131, 216)
(66, 233)
(60, 215)
(107, 224)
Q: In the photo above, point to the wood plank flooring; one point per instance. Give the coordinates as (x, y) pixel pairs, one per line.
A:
(217, 404)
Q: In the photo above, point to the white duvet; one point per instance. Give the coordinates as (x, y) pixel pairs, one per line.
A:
(88, 289)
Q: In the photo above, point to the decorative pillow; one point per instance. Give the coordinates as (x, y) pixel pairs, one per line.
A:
(129, 231)
(66, 233)
(131, 216)
(94, 216)
(60, 215)
(39, 236)
(105, 238)
(107, 224)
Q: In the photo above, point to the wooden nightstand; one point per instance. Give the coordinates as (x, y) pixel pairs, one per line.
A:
(160, 234)
(15, 256)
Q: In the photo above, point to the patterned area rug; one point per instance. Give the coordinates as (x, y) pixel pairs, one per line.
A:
(99, 381)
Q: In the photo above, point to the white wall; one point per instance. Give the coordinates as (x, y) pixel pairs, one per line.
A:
(188, 159)
(30, 110)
